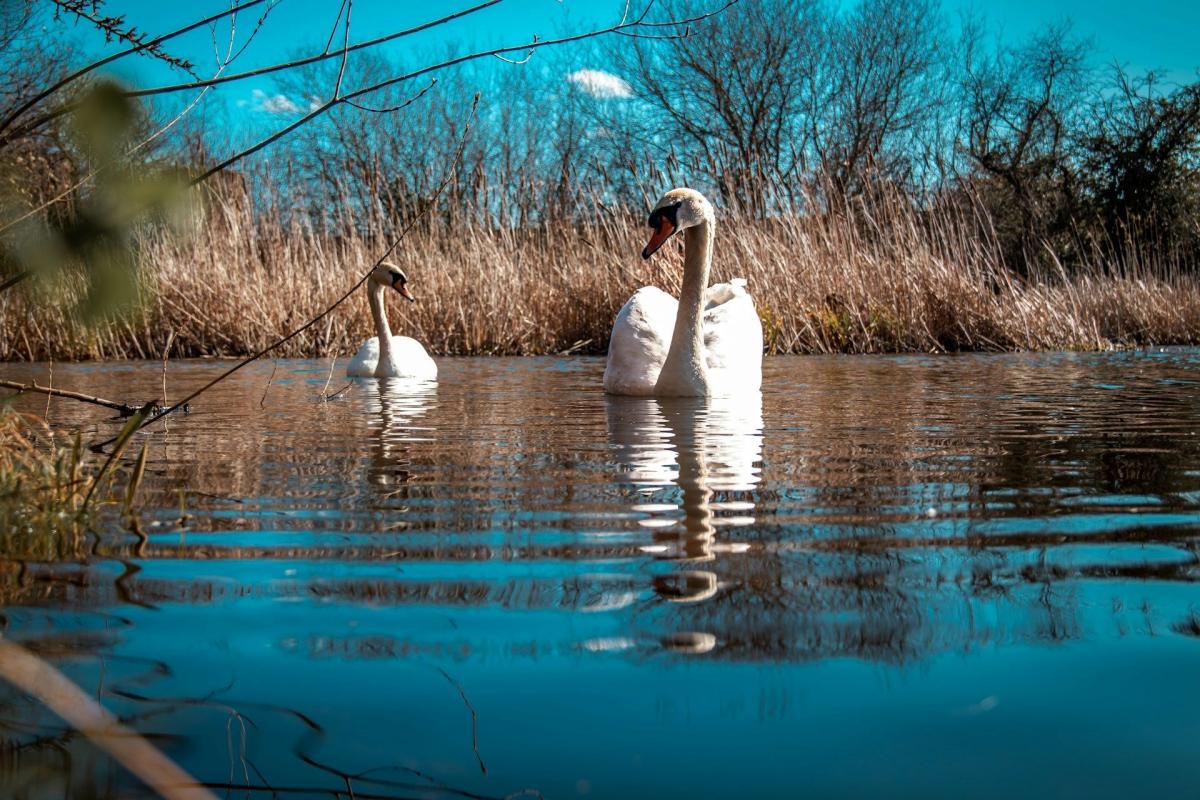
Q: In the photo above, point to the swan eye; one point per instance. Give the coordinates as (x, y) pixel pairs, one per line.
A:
(671, 212)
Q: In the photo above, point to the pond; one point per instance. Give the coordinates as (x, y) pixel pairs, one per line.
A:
(885, 576)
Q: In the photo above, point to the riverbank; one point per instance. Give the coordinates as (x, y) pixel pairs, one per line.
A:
(869, 280)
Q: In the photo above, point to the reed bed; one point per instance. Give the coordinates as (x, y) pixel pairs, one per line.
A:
(877, 275)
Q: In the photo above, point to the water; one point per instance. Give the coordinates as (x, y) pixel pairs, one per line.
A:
(926, 577)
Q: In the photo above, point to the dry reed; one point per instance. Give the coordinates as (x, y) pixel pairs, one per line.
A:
(874, 276)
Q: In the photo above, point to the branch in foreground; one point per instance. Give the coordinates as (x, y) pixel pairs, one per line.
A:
(216, 80)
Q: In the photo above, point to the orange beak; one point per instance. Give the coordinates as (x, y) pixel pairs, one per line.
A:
(665, 229)
(405, 293)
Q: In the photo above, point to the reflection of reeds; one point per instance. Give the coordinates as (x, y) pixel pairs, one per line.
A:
(43, 484)
(877, 275)
(50, 492)
(444, 499)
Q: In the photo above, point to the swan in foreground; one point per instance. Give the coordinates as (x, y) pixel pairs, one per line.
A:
(384, 355)
(709, 342)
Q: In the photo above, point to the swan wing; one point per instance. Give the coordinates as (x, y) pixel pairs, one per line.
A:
(733, 339)
(365, 360)
(641, 337)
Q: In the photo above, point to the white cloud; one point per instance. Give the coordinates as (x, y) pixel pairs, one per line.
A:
(599, 83)
(269, 103)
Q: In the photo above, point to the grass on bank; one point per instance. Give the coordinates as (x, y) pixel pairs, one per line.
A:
(879, 276)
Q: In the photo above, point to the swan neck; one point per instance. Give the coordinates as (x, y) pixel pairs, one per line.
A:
(684, 372)
(379, 315)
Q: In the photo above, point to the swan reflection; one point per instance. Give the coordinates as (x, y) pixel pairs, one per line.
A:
(397, 410)
(679, 453)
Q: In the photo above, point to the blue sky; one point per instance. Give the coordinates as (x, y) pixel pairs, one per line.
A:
(1152, 34)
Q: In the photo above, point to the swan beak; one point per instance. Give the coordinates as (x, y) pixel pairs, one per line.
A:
(665, 229)
(405, 293)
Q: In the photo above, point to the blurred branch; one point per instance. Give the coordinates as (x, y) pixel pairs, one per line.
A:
(47, 685)
(230, 57)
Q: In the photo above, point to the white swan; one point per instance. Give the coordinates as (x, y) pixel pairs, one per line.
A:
(384, 355)
(709, 342)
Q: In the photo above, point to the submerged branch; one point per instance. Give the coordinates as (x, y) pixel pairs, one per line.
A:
(474, 718)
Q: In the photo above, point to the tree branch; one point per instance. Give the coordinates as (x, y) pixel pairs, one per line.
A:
(79, 73)
(123, 408)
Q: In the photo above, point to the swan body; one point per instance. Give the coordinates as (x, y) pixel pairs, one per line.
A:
(708, 343)
(409, 360)
(385, 355)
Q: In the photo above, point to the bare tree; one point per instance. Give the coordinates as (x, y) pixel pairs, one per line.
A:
(1020, 106)
(879, 91)
(727, 98)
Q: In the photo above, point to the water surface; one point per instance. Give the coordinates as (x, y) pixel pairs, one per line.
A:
(908, 576)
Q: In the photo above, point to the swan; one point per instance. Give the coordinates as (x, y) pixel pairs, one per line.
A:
(384, 355)
(709, 342)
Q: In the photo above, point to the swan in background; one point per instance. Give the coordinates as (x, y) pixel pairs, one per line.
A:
(384, 355)
(709, 342)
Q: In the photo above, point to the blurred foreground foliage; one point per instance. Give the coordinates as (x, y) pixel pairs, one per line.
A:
(79, 248)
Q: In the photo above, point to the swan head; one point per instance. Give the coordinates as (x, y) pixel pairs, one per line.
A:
(388, 274)
(676, 210)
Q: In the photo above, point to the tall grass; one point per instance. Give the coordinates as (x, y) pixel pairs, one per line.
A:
(877, 275)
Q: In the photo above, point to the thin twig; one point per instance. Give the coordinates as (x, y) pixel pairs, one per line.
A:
(263, 402)
(166, 353)
(333, 30)
(337, 87)
(398, 106)
(329, 377)
(49, 394)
